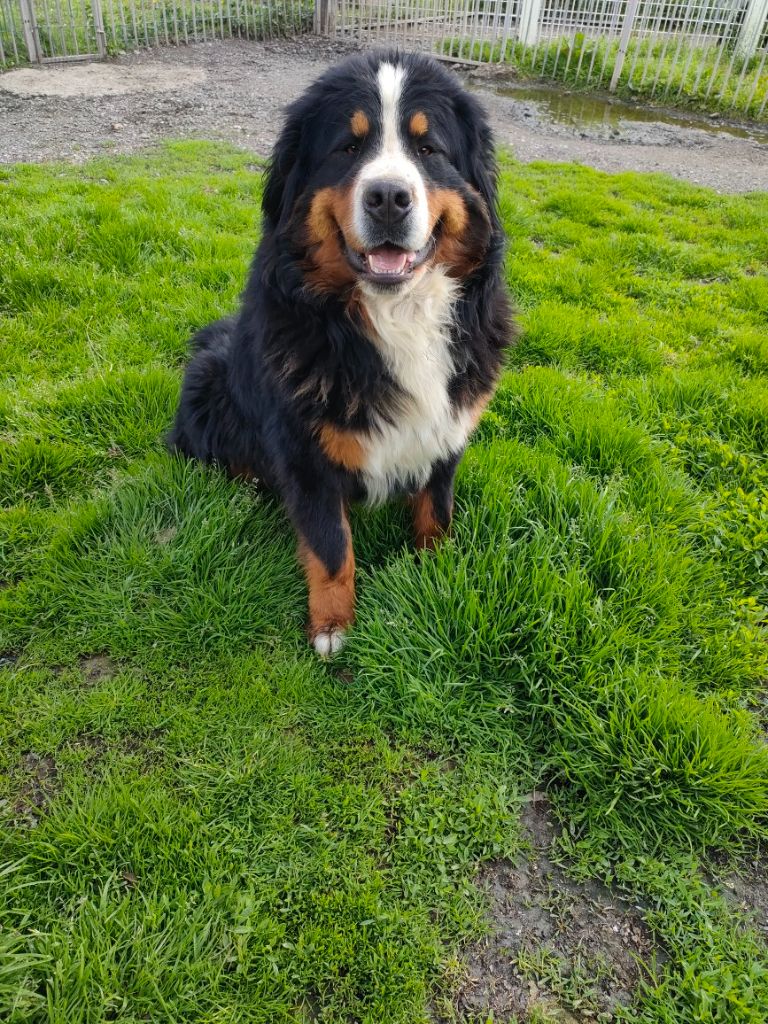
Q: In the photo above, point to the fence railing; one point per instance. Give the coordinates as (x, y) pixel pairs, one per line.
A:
(712, 53)
(40, 31)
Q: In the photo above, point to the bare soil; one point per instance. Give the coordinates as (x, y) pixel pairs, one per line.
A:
(39, 776)
(745, 888)
(574, 951)
(747, 892)
(237, 90)
(97, 668)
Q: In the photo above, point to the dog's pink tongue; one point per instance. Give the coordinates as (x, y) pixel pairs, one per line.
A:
(387, 260)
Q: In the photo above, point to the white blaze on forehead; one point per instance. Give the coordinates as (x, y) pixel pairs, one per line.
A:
(391, 79)
(392, 162)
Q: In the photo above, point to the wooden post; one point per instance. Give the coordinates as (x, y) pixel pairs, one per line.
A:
(626, 32)
(29, 28)
(324, 21)
(98, 25)
(752, 28)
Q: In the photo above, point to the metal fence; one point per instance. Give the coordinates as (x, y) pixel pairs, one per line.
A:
(41, 31)
(713, 53)
(708, 52)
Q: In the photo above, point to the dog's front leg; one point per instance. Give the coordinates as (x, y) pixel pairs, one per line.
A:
(432, 507)
(325, 551)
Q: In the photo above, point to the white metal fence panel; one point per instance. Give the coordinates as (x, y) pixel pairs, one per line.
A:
(708, 52)
(42, 30)
(12, 47)
(131, 24)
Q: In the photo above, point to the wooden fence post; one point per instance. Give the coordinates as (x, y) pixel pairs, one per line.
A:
(324, 21)
(752, 28)
(626, 32)
(98, 27)
(28, 26)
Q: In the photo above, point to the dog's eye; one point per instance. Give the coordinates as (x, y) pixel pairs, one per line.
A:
(353, 149)
(426, 151)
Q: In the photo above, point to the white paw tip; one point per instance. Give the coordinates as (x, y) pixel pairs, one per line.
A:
(328, 642)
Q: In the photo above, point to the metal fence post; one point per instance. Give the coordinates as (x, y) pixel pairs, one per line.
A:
(752, 28)
(506, 30)
(626, 32)
(28, 27)
(528, 21)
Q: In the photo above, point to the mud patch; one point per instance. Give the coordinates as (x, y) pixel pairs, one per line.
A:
(746, 889)
(39, 783)
(606, 116)
(92, 748)
(572, 951)
(97, 668)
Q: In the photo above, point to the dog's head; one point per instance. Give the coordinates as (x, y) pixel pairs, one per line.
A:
(384, 169)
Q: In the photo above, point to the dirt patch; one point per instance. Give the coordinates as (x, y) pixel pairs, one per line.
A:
(573, 951)
(38, 777)
(97, 668)
(39, 783)
(148, 746)
(744, 886)
(237, 90)
(99, 80)
(748, 893)
(92, 746)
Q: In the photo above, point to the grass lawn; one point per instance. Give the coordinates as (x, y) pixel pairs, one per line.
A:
(200, 822)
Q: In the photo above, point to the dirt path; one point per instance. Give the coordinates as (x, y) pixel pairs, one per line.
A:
(236, 90)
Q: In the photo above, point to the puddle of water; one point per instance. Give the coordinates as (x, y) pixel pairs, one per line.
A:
(588, 111)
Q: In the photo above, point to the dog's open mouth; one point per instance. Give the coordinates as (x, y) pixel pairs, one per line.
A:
(388, 264)
(389, 261)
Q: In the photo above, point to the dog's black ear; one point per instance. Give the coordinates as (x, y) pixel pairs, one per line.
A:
(478, 153)
(283, 175)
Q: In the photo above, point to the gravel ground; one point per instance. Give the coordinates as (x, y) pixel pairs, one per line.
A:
(236, 90)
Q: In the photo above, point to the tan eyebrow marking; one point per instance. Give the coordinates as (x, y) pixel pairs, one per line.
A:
(419, 124)
(360, 124)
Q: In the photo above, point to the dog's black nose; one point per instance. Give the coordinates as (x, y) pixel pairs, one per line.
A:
(387, 202)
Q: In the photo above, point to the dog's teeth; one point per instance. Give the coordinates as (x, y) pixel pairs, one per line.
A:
(388, 263)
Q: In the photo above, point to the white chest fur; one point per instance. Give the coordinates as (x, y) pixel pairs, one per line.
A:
(412, 333)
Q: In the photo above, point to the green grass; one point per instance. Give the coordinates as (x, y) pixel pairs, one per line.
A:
(230, 830)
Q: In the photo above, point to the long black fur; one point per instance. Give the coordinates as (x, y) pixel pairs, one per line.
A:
(260, 382)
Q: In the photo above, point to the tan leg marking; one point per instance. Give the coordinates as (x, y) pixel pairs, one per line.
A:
(427, 530)
(331, 598)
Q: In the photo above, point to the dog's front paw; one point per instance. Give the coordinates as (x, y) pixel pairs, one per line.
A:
(328, 642)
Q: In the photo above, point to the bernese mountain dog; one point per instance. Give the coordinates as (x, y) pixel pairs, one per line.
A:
(373, 323)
